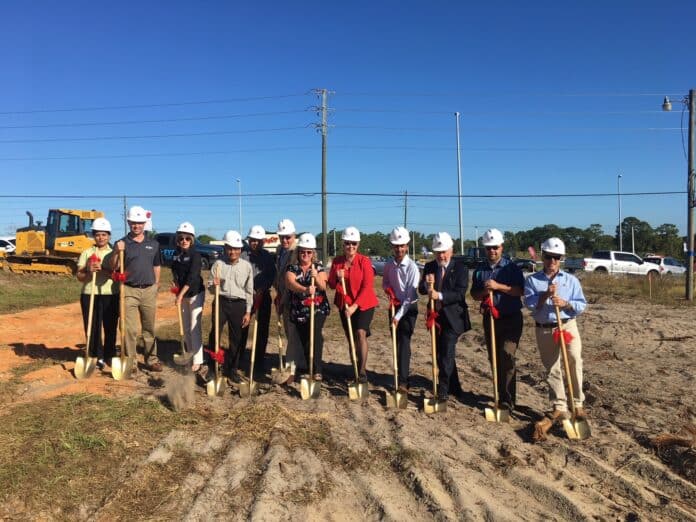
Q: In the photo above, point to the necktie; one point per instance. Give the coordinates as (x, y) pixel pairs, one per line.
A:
(442, 277)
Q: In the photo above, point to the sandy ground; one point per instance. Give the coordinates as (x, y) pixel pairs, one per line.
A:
(639, 362)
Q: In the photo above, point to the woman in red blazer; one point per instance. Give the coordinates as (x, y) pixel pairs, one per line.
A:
(360, 300)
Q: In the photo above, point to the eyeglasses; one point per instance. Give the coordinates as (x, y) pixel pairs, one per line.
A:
(492, 247)
(306, 252)
(181, 239)
(549, 257)
(285, 238)
(350, 243)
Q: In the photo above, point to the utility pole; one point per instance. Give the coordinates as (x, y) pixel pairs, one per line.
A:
(239, 189)
(125, 215)
(692, 201)
(633, 240)
(618, 189)
(459, 190)
(324, 93)
(405, 208)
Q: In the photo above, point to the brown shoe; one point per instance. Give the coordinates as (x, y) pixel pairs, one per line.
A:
(542, 427)
(580, 413)
(155, 367)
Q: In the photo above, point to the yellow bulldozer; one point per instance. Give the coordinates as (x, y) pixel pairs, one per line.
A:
(55, 247)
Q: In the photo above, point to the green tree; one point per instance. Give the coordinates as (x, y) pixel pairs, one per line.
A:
(205, 239)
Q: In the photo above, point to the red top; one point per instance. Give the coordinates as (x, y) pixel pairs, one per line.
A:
(359, 282)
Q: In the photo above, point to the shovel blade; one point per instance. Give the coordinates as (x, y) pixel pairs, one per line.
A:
(309, 389)
(357, 390)
(214, 387)
(576, 429)
(431, 406)
(122, 368)
(497, 415)
(280, 375)
(84, 366)
(397, 400)
(247, 388)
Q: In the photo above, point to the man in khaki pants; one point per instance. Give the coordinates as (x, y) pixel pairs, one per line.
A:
(142, 266)
(543, 291)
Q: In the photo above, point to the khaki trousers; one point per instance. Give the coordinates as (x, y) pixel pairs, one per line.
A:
(141, 305)
(552, 360)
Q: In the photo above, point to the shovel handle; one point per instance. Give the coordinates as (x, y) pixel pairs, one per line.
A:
(396, 357)
(311, 335)
(122, 305)
(253, 352)
(350, 331)
(90, 313)
(566, 364)
(433, 342)
(494, 355)
(217, 327)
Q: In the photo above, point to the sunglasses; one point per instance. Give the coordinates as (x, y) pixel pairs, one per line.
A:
(285, 238)
(350, 243)
(492, 247)
(306, 252)
(181, 239)
(549, 257)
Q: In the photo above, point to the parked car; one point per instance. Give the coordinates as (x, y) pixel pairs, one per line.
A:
(668, 265)
(8, 243)
(526, 265)
(167, 243)
(572, 264)
(378, 263)
(618, 263)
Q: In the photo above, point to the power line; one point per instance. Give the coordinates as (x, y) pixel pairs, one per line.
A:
(517, 93)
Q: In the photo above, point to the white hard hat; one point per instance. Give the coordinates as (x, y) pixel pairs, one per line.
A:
(257, 232)
(553, 245)
(399, 236)
(307, 241)
(186, 228)
(351, 234)
(233, 238)
(442, 241)
(286, 227)
(101, 225)
(492, 237)
(137, 214)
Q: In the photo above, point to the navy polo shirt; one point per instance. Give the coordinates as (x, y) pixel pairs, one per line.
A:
(506, 272)
(140, 259)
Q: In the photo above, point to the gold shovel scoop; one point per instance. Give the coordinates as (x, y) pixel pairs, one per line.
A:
(122, 366)
(85, 365)
(395, 399)
(495, 414)
(356, 390)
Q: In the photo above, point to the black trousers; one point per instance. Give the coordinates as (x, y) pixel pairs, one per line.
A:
(104, 317)
(263, 316)
(404, 332)
(508, 331)
(231, 314)
(448, 382)
(303, 331)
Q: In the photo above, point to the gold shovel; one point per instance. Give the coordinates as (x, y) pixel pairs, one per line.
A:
(280, 375)
(84, 366)
(214, 387)
(309, 388)
(356, 390)
(247, 388)
(576, 429)
(434, 405)
(180, 358)
(495, 414)
(396, 399)
(122, 366)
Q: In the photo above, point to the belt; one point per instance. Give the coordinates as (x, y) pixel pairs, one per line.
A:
(137, 286)
(551, 325)
(231, 299)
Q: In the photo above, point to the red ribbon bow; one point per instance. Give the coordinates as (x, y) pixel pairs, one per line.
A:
(346, 299)
(118, 276)
(567, 336)
(431, 320)
(393, 301)
(318, 299)
(94, 258)
(174, 290)
(218, 357)
(487, 305)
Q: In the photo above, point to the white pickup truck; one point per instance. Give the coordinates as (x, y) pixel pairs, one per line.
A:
(616, 263)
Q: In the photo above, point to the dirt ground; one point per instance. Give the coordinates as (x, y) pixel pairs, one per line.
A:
(360, 461)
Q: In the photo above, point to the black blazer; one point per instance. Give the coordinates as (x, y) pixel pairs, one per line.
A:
(453, 289)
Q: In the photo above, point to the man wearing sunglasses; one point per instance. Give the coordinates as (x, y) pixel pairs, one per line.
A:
(505, 279)
(543, 292)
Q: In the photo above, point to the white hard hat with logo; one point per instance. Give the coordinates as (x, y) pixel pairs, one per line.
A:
(442, 242)
(399, 236)
(233, 239)
(137, 214)
(286, 227)
(351, 234)
(492, 237)
(186, 228)
(307, 241)
(101, 225)
(257, 232)
(553, 245)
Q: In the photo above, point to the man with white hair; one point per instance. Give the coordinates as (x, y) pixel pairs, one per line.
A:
(445, 282)
(544, 291)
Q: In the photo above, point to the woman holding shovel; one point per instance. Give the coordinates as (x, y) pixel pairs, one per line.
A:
(306, 281)
(189, 291)
(359, 301)
(105, 312)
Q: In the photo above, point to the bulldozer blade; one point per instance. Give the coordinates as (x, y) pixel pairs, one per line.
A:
(214, 386)
(309, 388)
(84, 366)
(122, 368)
(247, 388)
(576, 429)
(497, 415)
(357, 390)
(431, 406)
(397, 400)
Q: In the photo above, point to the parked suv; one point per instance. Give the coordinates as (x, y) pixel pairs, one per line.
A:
(668, 265)
(167, 242)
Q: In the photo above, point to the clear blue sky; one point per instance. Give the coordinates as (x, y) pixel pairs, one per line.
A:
(192, 96)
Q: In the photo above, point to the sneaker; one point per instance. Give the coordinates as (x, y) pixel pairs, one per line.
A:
(101, 364)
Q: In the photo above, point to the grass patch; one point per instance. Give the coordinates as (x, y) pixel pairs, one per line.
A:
(9, 386)
(666, 290)
(24, 291)
(62, 456)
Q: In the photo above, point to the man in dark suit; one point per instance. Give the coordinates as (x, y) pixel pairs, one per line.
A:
(446, 281)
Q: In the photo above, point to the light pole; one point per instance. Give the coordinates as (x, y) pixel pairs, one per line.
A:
(690, 102)
(459, 189)
(618, 190)
(239, 190)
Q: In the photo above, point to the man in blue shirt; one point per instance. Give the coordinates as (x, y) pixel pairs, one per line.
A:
(543, 291)
(504, 278)
(401, 281)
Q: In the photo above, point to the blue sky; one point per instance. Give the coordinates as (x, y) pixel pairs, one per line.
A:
(151, 99)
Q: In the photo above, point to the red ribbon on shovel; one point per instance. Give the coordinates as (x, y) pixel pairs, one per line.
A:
(317, 300)
(567, 336)
(174, 290)
(345, 299)
(218, 357)
(393, 301)
(431, 320)
(487, 305)
(118, 276)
